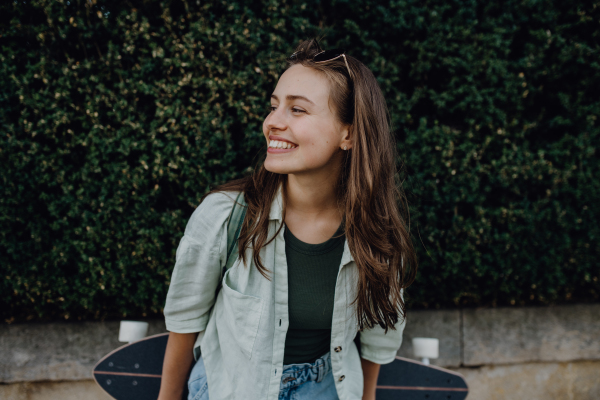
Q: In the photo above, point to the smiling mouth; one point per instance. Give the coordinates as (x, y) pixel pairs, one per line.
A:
(279, 144)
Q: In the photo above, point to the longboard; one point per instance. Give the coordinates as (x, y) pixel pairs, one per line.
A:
(406, 379)
(134, 371)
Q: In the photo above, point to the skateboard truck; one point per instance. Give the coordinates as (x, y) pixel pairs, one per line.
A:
(426, 348)
(132, 331)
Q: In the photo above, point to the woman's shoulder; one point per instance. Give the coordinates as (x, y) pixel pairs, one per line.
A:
(218, 200)
(212, 213)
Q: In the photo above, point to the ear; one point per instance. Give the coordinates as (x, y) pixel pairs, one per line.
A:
(346, 137)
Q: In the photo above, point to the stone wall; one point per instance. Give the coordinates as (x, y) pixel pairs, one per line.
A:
(503, 353)
(62, 351)
(503, 336)
(517, 353)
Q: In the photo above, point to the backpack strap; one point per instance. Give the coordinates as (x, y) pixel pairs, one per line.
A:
(234, 226)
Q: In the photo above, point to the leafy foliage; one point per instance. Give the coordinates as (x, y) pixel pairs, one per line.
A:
(116, 117)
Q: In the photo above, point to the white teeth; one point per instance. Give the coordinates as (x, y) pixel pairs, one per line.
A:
(278, 144)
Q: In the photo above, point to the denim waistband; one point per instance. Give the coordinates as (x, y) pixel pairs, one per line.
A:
(296, 374)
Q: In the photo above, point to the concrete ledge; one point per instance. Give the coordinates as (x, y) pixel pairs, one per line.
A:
(518, 335)
(69, 390)
(534, 381)
(57, 351)
(514, 353)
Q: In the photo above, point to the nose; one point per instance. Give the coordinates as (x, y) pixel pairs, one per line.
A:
(276, 120)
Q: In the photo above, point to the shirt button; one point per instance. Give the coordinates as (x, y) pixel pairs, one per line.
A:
(342, 377)
(338, 349)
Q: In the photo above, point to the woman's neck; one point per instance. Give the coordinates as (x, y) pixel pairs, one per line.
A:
(311, 205)
(310, 196)
(311, 210)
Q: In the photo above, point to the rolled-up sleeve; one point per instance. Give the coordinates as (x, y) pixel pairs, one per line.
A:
(380, 347)
(198, 266)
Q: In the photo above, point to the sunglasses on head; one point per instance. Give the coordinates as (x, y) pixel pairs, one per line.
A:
(326, 56)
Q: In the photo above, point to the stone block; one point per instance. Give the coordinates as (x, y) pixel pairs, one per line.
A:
(441, 324)
(58, 351)
(518, 335)
(67, 390)
(534, 381)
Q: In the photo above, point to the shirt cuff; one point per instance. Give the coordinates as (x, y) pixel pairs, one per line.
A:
(190, 326)
(377, 356)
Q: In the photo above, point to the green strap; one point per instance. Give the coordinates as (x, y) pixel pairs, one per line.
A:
(234, 226)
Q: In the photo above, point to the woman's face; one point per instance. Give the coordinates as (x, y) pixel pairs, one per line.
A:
(302, 131)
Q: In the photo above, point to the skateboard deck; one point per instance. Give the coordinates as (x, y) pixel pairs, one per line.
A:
(406, 379)
(134, 370)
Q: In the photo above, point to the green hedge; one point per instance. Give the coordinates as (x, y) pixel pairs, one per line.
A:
(116, 117)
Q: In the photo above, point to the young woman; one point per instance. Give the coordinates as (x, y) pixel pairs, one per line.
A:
(323, 253)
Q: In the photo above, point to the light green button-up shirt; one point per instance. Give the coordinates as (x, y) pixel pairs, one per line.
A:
(243, 328)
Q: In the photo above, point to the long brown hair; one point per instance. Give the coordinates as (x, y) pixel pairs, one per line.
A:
(369, 195)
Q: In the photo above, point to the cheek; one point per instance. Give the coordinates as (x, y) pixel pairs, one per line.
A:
(319, 155)
(319, 149)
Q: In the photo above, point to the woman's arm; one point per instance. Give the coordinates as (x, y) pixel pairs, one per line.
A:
(370, 374)
(178, 360)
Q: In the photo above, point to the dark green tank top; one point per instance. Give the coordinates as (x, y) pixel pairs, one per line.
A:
(312, 274)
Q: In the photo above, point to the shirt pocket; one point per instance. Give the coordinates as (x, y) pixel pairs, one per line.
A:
(241, 316)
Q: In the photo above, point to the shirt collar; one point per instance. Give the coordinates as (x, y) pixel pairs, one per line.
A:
(347, 254)
(277, 206)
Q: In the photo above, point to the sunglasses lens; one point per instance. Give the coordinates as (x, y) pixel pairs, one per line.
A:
(328, 55)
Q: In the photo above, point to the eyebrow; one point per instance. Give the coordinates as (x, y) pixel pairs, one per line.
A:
(292, 97)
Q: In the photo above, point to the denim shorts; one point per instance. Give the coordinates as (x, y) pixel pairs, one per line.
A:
(298, 381)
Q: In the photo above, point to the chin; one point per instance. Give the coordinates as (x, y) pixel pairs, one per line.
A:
(276, 168)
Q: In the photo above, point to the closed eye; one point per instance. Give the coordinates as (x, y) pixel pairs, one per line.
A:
(298, 110)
